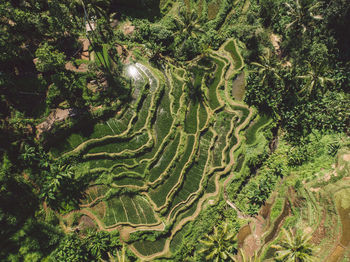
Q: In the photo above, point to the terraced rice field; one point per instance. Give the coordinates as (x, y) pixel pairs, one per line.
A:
(158, 161)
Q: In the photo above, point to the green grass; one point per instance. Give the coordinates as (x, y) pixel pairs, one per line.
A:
(239, 162)
(211, 185)
(129, 181)
(115, 212)
(251, 131)
(222, 127)
(191, 118)
(163, 120)
(132, 144)
(203, 116)
(165, 159)
(176, 92)
(232, 49)
(145, 208)
(213, 100)
(159, 194)
(245, 113)
(178, 238)
(194, 174)
(143, 113)
(132, 212)
(146, 247)
(107, 163)
(276, 209)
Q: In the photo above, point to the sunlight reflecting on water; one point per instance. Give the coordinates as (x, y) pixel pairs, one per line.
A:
(132, 72)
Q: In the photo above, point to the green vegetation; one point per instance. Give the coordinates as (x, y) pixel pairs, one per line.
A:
(175, 130)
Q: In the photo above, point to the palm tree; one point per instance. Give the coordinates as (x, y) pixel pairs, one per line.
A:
(315, 78)
(301, 13)
(267, 67)
(220, 246)
(122, 257)
(294, 247)
(187, 23)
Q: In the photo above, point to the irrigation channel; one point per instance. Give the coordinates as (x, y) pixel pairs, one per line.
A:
(158, 162)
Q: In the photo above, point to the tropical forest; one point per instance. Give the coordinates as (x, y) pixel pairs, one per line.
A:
(175, 130)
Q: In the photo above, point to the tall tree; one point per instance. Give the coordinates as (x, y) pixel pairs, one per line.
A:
(301, 14)
(294, 247)
(220, 246)
(267, 68)
(315, 80)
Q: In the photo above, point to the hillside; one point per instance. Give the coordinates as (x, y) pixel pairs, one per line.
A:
(209, 130)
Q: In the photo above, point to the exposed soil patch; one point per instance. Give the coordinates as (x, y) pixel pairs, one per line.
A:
(85, 52)
(344, 214)
(128, 28)
(83, 68)
(336, 255)
(346, 157)
(242, 235)
(86, 222)
(56, 116)
(276, 40)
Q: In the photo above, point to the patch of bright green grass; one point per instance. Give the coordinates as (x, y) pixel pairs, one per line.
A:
(176, 92)
(164, 159)
(191, 118)
(159, 194)
(178, 238)
(232, 49)
(132, 212)
(251, 131)
(163, 120)
(145, 209)
(133, 144)
(114, 212)
(245, 113)
(129, 181)
(213, 100)
(103, 57)
(194, 175)
(202, 116)
(146, 247)
(143, 113)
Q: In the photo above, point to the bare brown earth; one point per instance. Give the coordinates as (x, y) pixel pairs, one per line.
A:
(80, 69)
(128, 28)
(86, 222)
(275, 40)
(56, 116)
(85, 52)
